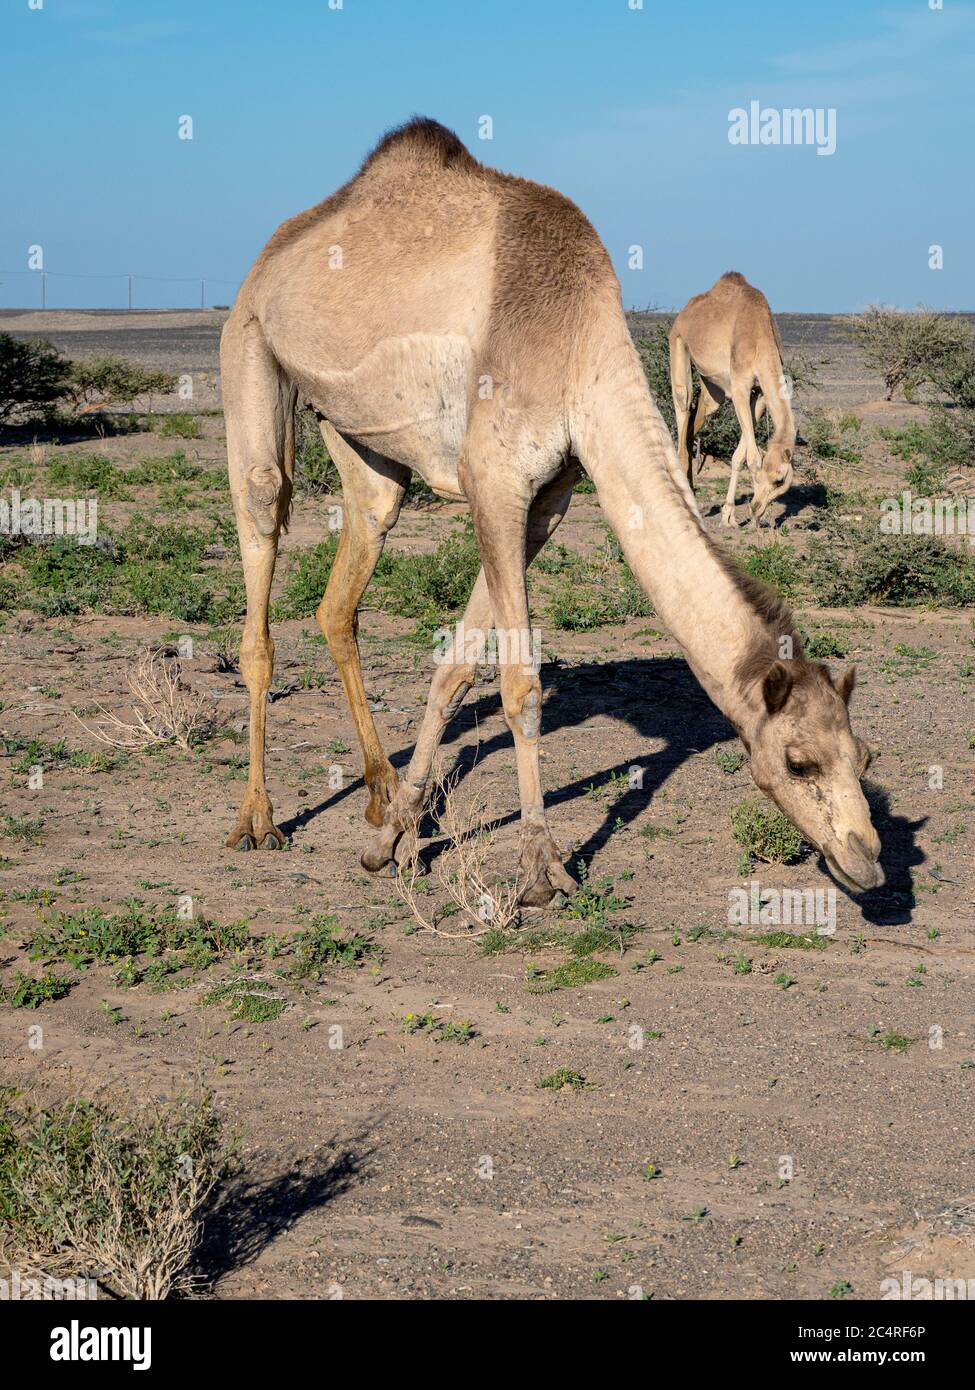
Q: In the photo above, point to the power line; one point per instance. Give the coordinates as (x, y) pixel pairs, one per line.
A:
(123, 274)
(130, 277)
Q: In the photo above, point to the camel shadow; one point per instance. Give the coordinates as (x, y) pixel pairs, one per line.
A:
(658, 698)
(662, 702)
(895, 901)
(247, 1215)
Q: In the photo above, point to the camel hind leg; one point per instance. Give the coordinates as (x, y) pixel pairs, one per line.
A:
(373, 489)
(710, 398)
(259, 412)
(682, 391)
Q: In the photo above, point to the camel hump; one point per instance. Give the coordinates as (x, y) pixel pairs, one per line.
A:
(423, 139)
(733, 277)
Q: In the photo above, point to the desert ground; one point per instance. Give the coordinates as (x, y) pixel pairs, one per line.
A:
(732, 1112)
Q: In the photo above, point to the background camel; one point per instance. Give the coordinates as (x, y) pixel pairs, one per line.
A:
(731, 337)
(444, 318)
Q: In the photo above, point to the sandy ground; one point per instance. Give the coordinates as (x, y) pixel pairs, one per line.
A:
(794, 1150)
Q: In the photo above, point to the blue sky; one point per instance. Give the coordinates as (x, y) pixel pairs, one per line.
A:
(625, 110)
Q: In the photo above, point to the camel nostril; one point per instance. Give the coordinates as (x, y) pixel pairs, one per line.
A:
(856, 846)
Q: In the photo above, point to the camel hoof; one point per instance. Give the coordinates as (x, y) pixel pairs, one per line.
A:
(561, 880)
(537, 894)
(375, 860)
(255, 831)
(550, 876)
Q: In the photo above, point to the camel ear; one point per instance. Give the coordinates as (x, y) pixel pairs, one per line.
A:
(788, 455)
(776, 687)
(846, 683)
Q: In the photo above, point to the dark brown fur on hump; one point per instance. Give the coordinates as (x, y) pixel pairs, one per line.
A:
(422, 138)
(419, 139)
(735, 277)
(548, 260)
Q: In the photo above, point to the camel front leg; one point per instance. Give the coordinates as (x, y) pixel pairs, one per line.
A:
(455, 675)
(372, 490)
(501, 523)
(259, 411)
(682, 392)
(747, 450)
(728, 510)
(255, 828)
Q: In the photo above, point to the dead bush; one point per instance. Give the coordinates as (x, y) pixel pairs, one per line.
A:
(85, 1191)
(164, 709)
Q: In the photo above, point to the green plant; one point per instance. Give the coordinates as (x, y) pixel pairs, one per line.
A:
(84, 1187)
(774, 564)
(910, 349)
(729, 760)
(33, 377)
(98, 381)
(28, 992)
(86, 473)
(315, 473)
(247, 999)
(901, 571)
(570, 975)
(563, 1078)
(322, 945)
(764, 833)
(593, 901)
(179, 425)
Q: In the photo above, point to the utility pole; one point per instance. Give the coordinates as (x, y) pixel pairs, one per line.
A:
(203, 294)
(130, 291)
(43, 289)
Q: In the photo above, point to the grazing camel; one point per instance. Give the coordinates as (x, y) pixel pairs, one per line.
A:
(731, 337)
(445, 318)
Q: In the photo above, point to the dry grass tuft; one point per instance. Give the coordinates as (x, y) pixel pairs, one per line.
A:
(85, 1191)
(164, 709)
(482, 905)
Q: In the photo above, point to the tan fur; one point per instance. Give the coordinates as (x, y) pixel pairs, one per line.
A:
(446, 319)
(732, 339)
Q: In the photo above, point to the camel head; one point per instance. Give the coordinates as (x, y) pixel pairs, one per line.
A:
(805, 756)
(774, 477)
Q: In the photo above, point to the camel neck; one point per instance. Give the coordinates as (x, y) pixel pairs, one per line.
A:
(779, 406)
(623, 443)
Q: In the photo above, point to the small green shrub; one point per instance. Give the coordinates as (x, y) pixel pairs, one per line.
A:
(776, 565)
(322, 945)
(83, 474)
(84, 1187)
(764, 833)
(902, 571)
(33, 377)
(307, 578)
(179, 425)
(30, 992)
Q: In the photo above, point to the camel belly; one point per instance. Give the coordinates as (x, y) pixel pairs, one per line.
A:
(408, 400)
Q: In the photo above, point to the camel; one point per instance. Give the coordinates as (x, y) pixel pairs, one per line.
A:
(732, 339)
(444, 318)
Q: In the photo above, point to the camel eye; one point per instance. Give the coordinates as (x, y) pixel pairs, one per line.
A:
(798, 768)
